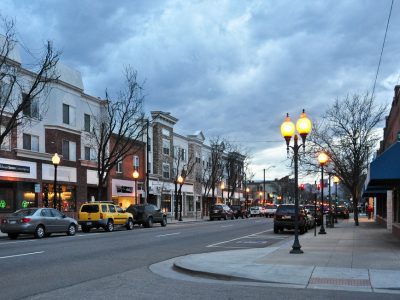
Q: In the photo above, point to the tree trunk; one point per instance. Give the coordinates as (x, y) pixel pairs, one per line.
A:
(355, 205)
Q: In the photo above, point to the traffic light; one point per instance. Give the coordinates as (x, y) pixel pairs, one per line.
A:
(302, 187)
(319, 186)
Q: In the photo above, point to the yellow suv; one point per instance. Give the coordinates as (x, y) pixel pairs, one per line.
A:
(105, 215)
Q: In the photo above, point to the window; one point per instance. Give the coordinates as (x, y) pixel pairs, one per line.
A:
(190, 202)
(69, 150)
(68, 114)
(31, 109)
(5, 96)
(165, 146)
(30, 142)
(198, 159)
(180, 154)
(166, 173)
(136, 161)
(165, 132)
(6, 145)
(87, 122)
(89, 154)
(119, 166)
(104, 208)
(149, 144)
(112, 208)
(149, 167)
(46, 213)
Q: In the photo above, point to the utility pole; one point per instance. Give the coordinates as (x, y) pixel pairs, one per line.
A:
(147, 160)
(264, 188)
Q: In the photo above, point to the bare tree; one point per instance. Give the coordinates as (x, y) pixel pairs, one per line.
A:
(234, 165)
(213, 170)
(347, 133)
(118, 127)
(183, 166)
(20, 89)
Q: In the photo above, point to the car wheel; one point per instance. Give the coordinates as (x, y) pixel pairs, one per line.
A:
(276, 229)
(13, 236)
(109, 226)
(164, 222)
(71, 230)
(85, 229)
(39, 232)
(129, 225)
(149, 222)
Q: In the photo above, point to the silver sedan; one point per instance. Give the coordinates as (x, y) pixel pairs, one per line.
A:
(40, 222)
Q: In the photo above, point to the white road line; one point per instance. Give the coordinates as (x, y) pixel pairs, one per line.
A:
(24, 254)
(168, 234)
(213, 245)
(17, 242)
(226, 226)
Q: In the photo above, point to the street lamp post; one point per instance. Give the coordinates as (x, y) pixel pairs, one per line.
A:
(180, 181)
(330, 223)
(222, 191)
(323, 159)
(336, 181)
(303, 126)
(135, 177)
(247, 197)
(56, 161)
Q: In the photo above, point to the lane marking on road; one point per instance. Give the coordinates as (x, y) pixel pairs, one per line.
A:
(168, 234)
(216, 244)
(17, 242)
(226, 226)
(90, 234)
(24, 254)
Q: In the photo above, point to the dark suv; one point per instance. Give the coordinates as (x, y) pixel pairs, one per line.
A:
(317, 215)
(147, 215)
(239, 211)
(284, 218)
(221, 211)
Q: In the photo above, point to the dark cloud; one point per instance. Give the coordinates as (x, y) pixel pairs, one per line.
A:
(229, 68)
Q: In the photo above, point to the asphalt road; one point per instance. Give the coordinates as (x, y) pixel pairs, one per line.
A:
(101, 265)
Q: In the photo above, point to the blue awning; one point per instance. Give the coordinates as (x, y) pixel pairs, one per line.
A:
(384, 172)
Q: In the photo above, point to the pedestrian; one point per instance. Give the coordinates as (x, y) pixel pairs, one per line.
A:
(369, 211)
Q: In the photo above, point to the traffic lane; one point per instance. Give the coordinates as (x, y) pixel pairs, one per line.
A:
(70, 260)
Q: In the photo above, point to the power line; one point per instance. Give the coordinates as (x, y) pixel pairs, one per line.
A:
(383, 46)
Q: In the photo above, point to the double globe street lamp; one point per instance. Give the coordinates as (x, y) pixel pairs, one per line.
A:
(180, 181)
(336, 180)
(303, 127)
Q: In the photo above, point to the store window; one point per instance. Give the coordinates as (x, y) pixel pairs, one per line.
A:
(66, 193)
(190, 202)
(166, 203)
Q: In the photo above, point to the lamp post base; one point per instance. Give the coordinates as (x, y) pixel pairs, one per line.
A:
(322, 231)
(296, 250)
(180, 219)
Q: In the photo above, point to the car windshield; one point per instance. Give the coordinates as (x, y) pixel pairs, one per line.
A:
(24, 212)
(271, 206)
(285, 209)
(217, 207)
(90, 208)
(341, 208)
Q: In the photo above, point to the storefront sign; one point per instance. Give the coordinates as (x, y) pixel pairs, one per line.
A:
(3, 204)
(124, 189)
(15, 168)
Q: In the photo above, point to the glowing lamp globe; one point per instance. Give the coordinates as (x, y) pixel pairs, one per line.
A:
(303, 125)
(135, 174)
(336, 179)
(287, 128)
(55, 159)
(180, 179)
(323, 158)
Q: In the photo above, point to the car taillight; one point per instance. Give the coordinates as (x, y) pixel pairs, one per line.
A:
(25, 220)
(3, 221)
(101, 216)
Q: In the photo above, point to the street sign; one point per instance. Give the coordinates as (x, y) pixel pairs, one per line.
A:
(37, 187)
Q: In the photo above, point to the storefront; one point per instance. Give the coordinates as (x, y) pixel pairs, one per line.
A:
(124, 193)
(65, 193)
(18, 186)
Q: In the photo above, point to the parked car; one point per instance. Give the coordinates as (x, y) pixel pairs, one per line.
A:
(270, 210)
(310, 219)
(40, 222)
(104, 215)
(285, 218)
(316, 214)
(221, 211)
(342, 212)
(239, 211)
(147, 215)
(256, 211)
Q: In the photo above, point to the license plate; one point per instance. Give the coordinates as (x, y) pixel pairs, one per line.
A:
(215, 211)
(12, 222)
(88, 223)
(286, 217)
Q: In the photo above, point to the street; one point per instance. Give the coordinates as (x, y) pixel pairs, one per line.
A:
(101, 265)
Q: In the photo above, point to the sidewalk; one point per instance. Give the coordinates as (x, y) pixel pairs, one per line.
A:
(363, 258)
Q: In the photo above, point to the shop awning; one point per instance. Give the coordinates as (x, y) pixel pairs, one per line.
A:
(384, 172)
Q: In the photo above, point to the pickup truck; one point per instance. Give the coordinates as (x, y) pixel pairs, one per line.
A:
(270, 210)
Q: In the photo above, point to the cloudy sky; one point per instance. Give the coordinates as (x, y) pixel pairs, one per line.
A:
(229, 68)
